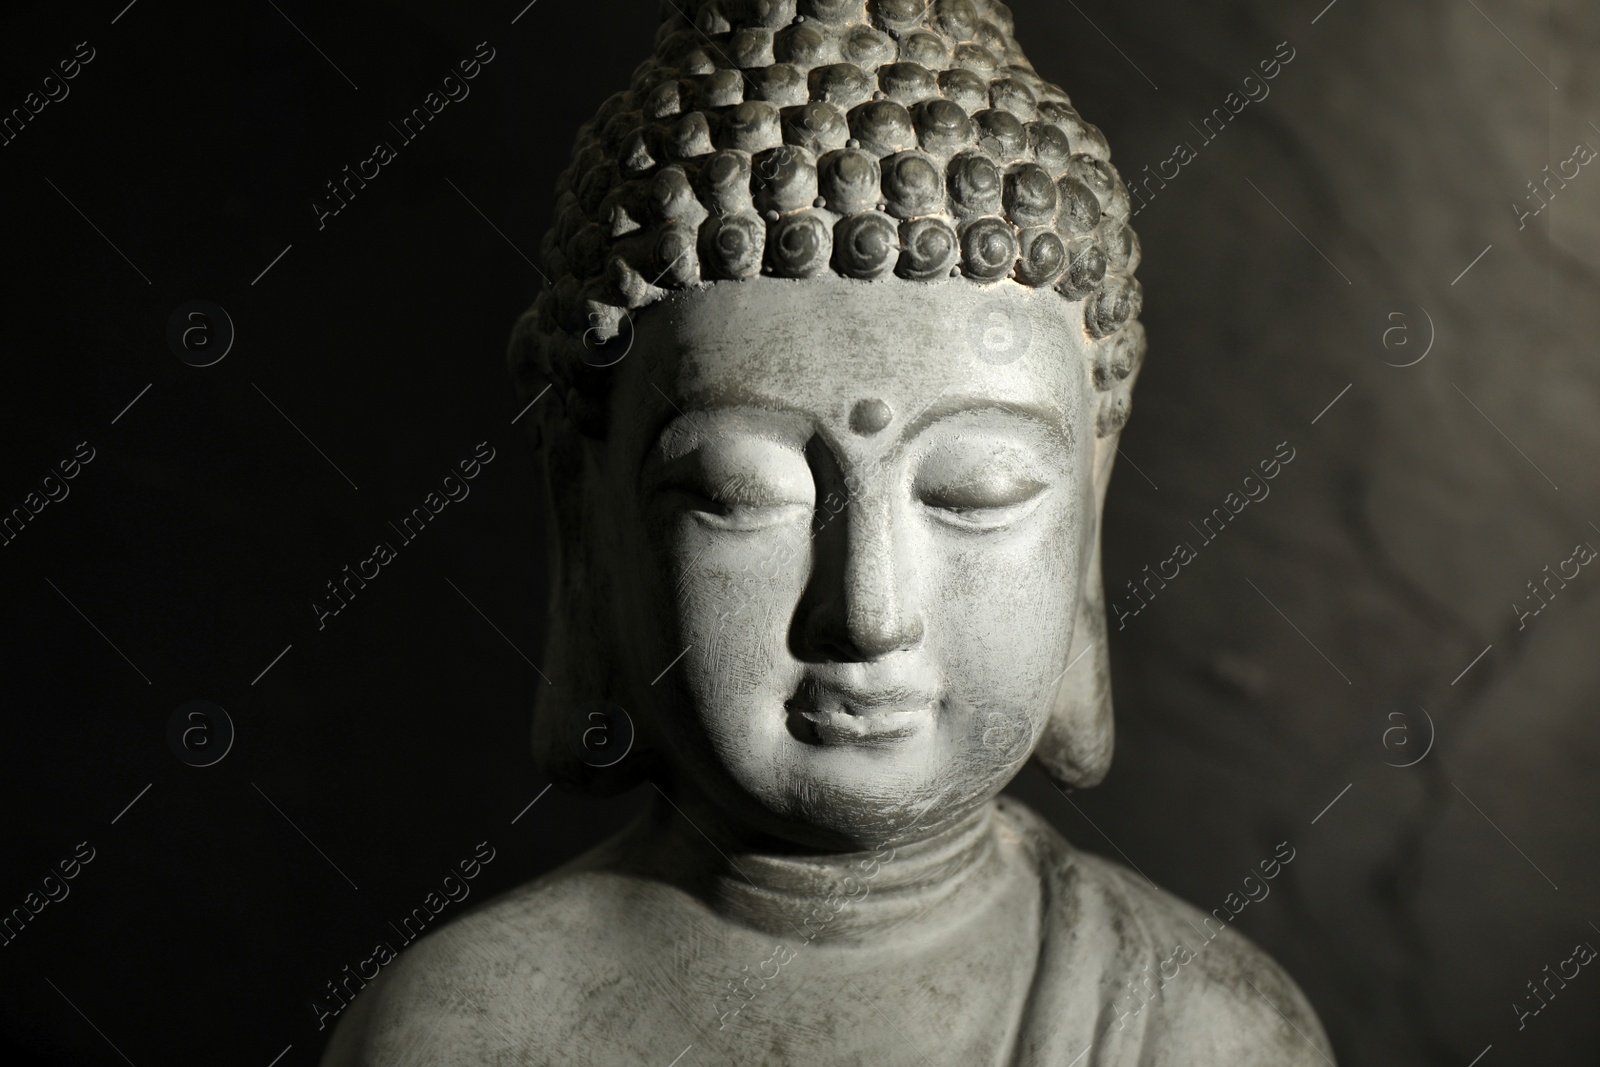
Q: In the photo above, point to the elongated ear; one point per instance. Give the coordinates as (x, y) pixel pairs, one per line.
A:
(1075, 748)
(584, 737)
(576, 700)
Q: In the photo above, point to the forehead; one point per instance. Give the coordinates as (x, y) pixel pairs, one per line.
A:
(822, 346)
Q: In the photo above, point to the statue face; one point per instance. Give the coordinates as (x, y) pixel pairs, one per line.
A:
(863, 510)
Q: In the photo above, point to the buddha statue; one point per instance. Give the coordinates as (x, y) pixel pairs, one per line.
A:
(841, 336)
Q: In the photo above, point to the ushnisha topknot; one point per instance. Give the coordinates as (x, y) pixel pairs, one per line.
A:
(869, 138)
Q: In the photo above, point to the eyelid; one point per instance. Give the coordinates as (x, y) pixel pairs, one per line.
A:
(981, 493)
(734, 491)
(965, 485)
(745, 519)
(987, 518)
(738, 482)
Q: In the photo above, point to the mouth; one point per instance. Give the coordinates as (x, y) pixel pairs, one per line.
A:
(846, 717)
(873, 728)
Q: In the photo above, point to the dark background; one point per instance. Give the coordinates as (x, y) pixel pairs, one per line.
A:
(1251, 692)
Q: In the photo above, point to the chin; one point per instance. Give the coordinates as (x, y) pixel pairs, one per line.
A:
(859, 794)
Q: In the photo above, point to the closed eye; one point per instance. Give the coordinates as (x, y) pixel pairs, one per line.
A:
(996, 491)
(741, 484)
(986, 501)
(740, 506)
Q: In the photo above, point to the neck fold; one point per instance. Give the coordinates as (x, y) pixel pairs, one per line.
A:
(831, 896)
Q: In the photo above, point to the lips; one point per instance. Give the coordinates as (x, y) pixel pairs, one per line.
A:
(842, 713)
(880, 726)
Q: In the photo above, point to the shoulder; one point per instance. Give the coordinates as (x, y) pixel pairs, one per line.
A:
(1180, 986)
(1212, 995)
(518, 973)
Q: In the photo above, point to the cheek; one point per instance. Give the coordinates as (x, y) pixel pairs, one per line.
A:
(731, 597)
(1002, 613)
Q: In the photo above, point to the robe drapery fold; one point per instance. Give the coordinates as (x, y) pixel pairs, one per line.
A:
(1127, 974)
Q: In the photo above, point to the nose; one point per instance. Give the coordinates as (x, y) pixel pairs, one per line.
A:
(862, 596)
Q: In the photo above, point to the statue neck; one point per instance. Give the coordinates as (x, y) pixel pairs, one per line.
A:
(822, 896)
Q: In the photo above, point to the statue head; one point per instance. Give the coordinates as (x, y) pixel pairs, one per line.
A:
(841, 337)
